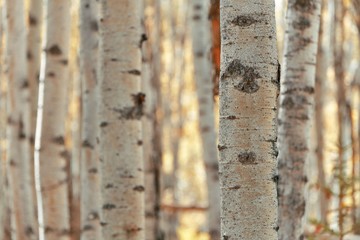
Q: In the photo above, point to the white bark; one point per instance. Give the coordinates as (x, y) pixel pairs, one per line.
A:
(120, 111)
(201, 41)
(295, 113)
(33, 71)
(248, 90)
(51, 157)
(90, 174)
(18, 132)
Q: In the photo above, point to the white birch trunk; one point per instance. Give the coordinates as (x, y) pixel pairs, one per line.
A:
(247, 140)
(295, 113)
(51, 156)
(201, 40)
(120, 110)
(90, 172)
(18, 132)
(33, 72)
(33, 57)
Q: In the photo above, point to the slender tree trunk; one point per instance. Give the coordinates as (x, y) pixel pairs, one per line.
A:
(52, 162)
(5, 227)
(201, 40)
(152, 157)
(18, 132)
(214, 15)
(338, 39)
(247, 140)
(90, 174)
(33, 57)
(295, 114)
(356, 6)
(33, 60)
(120, 111)
(321, 69)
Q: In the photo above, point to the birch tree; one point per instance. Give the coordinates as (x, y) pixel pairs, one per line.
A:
(33, 71)
(247, 140)
(90, 178)
(295, 113)
(120, 110)
(151, 124)
(51, 163)
(201, 40)
(23, 219)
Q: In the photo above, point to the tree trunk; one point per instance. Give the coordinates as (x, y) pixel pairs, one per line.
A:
(295, 113)
(247, 141)
(201, 40)
(90, 174)
(18, 131)
(152, 155)
(33, 58)
(52, 162)
(120, 111)
(338, 41)
(321, 69)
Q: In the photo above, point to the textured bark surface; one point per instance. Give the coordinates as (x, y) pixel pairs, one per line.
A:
(52, 111)
(120, 110)
(247, 141)
(20, 174)
(295, 113)
(90, 172)
(201, 41)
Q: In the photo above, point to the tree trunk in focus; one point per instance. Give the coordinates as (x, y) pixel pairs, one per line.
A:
(121, 107)
(249, 86)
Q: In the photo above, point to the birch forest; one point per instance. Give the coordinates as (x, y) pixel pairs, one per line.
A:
(179, 119)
